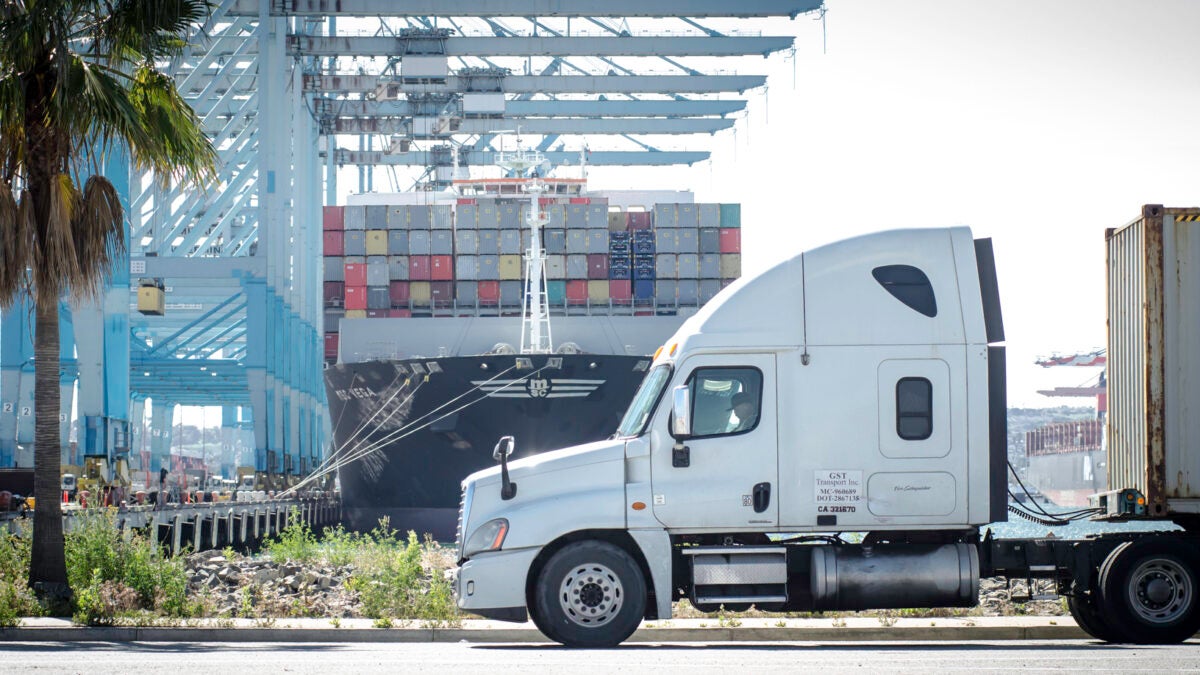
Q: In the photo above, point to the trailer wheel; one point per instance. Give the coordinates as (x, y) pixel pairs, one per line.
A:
(589, 594)
(1149, 590)
(1087, 614)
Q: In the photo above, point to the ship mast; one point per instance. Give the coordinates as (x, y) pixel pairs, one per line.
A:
(535, 311)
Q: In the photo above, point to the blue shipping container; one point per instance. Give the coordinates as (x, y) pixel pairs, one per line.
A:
(643, 289)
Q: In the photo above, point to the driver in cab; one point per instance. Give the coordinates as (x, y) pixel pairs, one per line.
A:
(744, 409)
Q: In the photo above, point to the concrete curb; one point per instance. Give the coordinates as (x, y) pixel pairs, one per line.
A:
(685, 630)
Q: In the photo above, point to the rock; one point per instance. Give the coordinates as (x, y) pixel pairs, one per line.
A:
(324, 581)
(266, 574)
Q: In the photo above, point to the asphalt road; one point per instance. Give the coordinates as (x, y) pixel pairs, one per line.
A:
(725, 657)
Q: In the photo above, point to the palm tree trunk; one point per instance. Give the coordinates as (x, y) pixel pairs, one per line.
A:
(48, 566)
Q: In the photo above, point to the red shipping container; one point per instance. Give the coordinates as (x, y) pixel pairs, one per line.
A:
(356, 297)
(597, 266)
(489, 291)
(331, 345)
(441, 293)
(638, 220)
(441, 268)
(581, 200)
(731, 240)
(334, 292)
(577, 292)
(418, 268)
(545, 201)
(377, 313)
(399, 293)
(620, 289)
(465, 200)
(400, 313)
(335, 243)
(333, 218)
(356, 275)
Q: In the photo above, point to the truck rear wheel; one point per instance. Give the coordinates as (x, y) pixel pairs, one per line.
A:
(1149, 591)
(1086, 613)
(589, 594)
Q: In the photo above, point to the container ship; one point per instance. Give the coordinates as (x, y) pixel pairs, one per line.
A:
(516, 306)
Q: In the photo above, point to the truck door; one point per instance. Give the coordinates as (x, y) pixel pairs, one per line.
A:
(726, 474)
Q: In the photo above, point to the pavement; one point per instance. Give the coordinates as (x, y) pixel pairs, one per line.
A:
(855, 629)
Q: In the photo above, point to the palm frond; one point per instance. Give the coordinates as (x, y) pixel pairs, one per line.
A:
(144, 30)
(14, 247)
(178, 146)
(98, 229)
(56, 266)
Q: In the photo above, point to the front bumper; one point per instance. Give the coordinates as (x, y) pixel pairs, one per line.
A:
(492, 585)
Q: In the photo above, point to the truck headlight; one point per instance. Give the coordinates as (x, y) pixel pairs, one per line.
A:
(489, 537)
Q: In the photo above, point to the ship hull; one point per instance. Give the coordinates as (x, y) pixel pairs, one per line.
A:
(408, 431)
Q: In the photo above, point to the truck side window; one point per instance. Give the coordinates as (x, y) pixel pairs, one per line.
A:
(725, 401)
(914, 408)
(908, 285)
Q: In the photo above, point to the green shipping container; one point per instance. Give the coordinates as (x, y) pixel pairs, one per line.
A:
(731, 215)
(556, 292)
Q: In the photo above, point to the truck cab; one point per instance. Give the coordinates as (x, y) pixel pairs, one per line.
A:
(852, 388)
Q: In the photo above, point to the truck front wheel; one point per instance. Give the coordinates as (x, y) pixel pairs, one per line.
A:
(1149, 589)
(589, 594)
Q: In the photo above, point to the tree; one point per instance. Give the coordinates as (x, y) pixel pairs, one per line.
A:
(77, 79)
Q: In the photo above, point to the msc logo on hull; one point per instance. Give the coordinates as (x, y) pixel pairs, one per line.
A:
(539, 387)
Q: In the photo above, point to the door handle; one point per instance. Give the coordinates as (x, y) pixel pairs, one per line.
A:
(762, 497)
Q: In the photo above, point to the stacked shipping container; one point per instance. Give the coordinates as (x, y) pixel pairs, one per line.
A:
(467, 260)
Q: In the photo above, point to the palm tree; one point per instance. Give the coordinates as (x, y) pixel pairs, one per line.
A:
(78, 78)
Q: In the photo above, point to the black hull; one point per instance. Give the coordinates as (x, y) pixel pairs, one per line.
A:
(423, 425)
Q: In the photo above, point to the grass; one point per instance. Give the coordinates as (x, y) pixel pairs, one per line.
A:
(396, 577)
(113, 576)
(16, 598)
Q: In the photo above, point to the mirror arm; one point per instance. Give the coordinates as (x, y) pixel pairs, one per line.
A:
(508, 489)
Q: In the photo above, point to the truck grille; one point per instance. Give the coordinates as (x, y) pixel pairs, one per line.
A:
(464, 508)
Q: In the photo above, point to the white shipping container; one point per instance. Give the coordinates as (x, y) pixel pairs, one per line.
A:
(476, 103)
(424, 67)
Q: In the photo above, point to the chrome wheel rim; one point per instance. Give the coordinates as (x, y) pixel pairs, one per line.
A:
(1160, 591)
(591, 595)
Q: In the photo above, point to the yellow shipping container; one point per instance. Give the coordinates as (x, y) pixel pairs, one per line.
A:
(418, 292)
(598, 292)
(356, 314)
(377, 242)
(731, 265)
(510, 267)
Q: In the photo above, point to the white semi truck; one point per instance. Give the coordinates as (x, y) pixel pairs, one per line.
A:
(830, 435)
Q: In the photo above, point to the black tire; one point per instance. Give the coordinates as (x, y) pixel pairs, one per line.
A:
(1088, 616)
(1150, 592)
(589, 594)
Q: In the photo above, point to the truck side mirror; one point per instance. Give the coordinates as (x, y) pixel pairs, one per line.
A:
(681, 412)
(504, 448)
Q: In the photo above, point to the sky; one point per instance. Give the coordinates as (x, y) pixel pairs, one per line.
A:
(1038, 124)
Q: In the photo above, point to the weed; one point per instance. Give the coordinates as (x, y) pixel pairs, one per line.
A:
(725, 620)
(781, 624)
(296, 543)
(96, 547)
(1053, 622)
(335, 622)
(229, 553)
(265, 622)
(839, 623)
(16, 599)
(887, 618)
(382, 622)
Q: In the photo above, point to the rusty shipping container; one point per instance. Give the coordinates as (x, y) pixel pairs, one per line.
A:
(1153, 267)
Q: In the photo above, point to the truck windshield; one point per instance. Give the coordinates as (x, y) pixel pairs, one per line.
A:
(643, 403)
